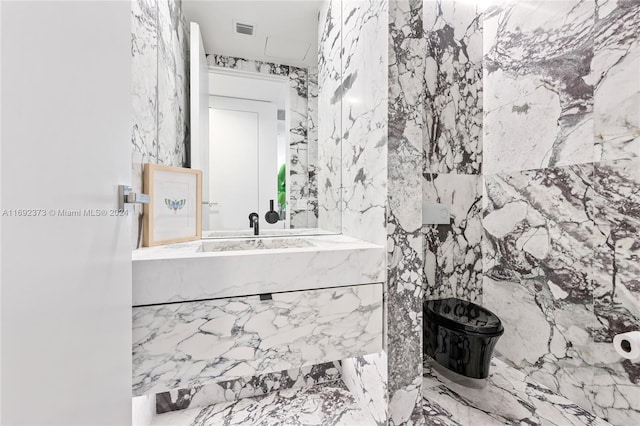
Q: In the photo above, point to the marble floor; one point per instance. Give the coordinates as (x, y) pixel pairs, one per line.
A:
(322, 405)
(506, 397)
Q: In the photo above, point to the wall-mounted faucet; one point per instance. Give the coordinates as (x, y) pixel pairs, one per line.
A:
(271, 216)
(254, 222)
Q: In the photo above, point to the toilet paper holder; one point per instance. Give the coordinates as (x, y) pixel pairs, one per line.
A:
(627, 345)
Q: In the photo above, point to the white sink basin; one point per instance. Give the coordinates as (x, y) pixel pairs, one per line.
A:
(213, 269)
(254, 244)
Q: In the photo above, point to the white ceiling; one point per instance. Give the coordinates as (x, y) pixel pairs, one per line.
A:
(286, 32)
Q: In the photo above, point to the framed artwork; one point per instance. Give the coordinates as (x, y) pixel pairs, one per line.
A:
(173, 215)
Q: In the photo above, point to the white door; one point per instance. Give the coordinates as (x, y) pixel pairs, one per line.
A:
(243, 161)
(66, 279)
(199, 124)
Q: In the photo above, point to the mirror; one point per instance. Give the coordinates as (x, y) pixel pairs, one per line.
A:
(265, 115)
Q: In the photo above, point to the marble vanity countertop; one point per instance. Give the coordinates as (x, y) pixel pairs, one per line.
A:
(183, 272)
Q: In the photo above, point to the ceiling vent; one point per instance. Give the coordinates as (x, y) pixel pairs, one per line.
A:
(246, 29)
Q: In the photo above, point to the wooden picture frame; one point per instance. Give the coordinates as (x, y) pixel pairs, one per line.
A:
(174, 213)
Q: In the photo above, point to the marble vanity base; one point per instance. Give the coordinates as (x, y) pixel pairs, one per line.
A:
(184, 345)
(507, 396)
(326, 404)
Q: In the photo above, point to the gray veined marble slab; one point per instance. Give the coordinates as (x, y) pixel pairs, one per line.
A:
(453, 252)
(616, 64)
(453, 87)
(407, 51)
(538, 97)
(179, 272)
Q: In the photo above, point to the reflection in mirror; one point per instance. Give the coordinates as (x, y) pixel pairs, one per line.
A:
(265, 115)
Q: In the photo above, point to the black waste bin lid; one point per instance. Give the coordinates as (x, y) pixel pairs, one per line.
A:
(461, 315)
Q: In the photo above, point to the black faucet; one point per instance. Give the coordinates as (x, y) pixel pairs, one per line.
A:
(254, 222)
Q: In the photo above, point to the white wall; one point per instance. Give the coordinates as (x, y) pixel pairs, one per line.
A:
(66, 281)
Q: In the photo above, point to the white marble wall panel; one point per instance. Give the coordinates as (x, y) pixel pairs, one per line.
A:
(405, 259)
(561, 260)
(538, 94)
(144, 91)
(452, 136)
(365, 29)
(173, 101)
(246, 387)
(453, 87)
(144, 64)
(364, 118)
(329, 169)
(453, 252)
(616, 267)
(538, 256)
(189, 344)
(159, 90)
(615, 69)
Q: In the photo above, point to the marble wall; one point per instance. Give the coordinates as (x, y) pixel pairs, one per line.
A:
(160, 84)
(303, 135)
(379, 79)
(364, 132)
(615, 65)
(561, 159)
(561, 265)
(531, 135)
(329, 169)
(452, 148)
(407, 47)
(364, 119)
